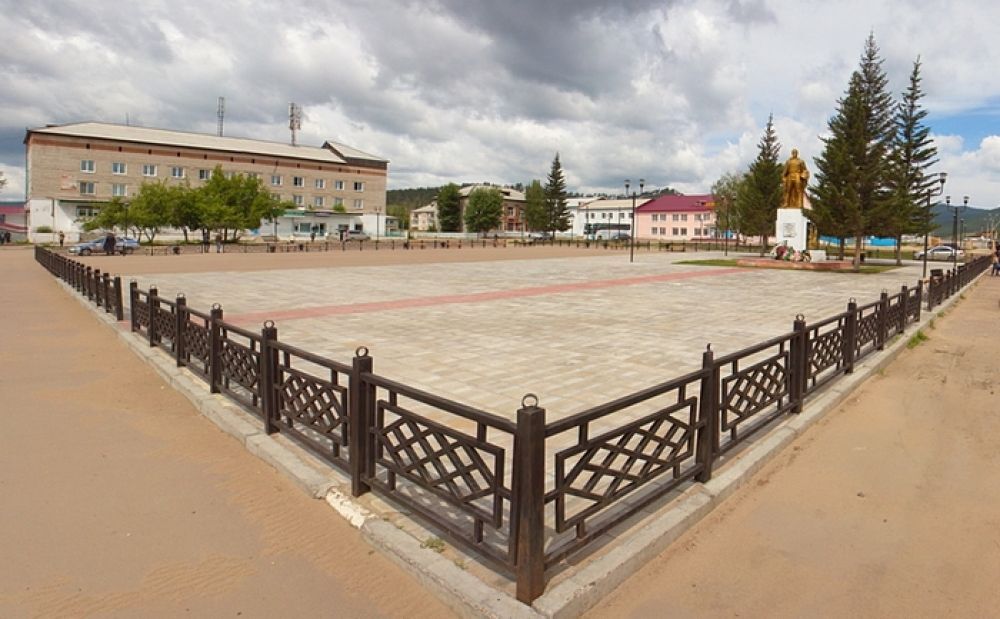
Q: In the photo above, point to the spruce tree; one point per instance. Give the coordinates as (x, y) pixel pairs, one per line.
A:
(759, 195)
(449, 208)
(555, 199)
(906, 211)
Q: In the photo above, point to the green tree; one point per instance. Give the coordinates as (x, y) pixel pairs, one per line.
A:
(111, 216)
(725, 190)
(234, 204)
(836, 204)
(485, 210)
(907, 210)
(449, 208)
(557, 212)
(402, 214)
(536, 214)
(759, 195)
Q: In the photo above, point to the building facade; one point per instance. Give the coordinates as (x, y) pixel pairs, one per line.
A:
(73, 169)
(605, 218)
(677, 218)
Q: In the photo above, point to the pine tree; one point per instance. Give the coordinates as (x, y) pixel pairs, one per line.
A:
(759, 195)
(907, 209)
(449, 208)
(836, 208)
(555, 199)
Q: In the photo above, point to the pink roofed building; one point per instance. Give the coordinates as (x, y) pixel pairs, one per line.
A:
(676, 218)
(12, 219)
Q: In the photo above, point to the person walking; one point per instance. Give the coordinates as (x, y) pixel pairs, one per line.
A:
(218, 242)
(62, 238)
(109, 244)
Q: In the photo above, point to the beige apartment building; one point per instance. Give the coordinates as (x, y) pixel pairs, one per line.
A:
(73, 169)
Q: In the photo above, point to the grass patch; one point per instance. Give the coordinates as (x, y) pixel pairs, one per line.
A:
(868, 269)
(714, 262)
(433, 543)
(918, 338)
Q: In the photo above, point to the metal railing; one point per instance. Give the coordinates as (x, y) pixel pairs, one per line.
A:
(101, 288)
(482, 478)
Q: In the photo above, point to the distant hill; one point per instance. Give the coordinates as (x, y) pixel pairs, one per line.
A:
(411, 198)
(975, 219)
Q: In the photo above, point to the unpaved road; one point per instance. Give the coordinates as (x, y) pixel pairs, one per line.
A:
(118, 499)
(890, 507)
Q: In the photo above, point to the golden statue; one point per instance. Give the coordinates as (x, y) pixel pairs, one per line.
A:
(793, 179)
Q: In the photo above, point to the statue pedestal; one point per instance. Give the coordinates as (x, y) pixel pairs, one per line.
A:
(792, 228)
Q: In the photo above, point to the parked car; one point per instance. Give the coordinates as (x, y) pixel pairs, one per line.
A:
(621, 236)
(96, 246)
(356, 235)
(540, 236)
(940, 252)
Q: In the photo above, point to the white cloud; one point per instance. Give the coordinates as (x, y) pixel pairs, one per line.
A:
(674, 92)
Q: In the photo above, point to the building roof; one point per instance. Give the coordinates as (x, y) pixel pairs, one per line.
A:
(331, 152)
(508, 193)
(430, 208)
(604, 203)
(12, 208)
(674, 204)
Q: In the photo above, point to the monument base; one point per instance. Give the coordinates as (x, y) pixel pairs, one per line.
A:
(771, 263)
(792, 228)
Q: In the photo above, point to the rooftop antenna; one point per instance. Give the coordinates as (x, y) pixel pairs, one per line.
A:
(221, 113)
(294, 120)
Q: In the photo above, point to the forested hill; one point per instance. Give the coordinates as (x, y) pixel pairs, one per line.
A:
(974, 219)
(411, 198)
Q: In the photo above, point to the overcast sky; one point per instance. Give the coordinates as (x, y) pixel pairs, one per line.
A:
(490, 90)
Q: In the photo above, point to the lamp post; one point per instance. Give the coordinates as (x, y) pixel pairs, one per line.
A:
(631, 244)
(125, 226)
(378, 212)
(954, 226)
(931, 192)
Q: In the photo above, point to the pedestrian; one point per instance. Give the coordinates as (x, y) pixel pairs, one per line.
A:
(204, 241)
(996, 263)
(218, 242)
(312, 236)
(62, 238)
(6, 237)
(109, 244)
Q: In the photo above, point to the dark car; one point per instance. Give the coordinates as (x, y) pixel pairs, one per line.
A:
(96, 246)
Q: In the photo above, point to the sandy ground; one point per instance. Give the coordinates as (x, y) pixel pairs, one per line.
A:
(118, 499)
(890, 507)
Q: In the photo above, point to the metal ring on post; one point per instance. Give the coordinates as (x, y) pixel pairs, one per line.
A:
(180, 295)
(708, 347)
(268, 324)
(216, 306)
(801, 317)
(361, 351)
(529, 400)
(852, 300)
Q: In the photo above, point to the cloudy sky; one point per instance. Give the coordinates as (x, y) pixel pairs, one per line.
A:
(675, 92)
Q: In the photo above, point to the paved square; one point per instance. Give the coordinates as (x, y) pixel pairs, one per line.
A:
(576, 331)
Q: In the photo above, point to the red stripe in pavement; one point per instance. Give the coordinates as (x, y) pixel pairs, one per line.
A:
(475, 297)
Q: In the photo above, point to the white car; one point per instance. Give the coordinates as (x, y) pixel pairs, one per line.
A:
(941, 252)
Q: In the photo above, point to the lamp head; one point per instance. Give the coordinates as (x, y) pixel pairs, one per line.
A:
(642, 183)
(627, 184)
(942, 177)
(947, 200)
(965, 200)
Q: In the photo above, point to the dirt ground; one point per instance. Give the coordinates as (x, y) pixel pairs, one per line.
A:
(118, 499)
(233, 260)
(890, 507)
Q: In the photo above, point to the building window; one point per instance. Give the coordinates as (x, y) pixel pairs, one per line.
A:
(297, 200)
(684, 231)
(320, 183)
(87, 165)
(119, 189)
(338, 185)
(177, 172)
(676, 232)
(510, 211)
(338, 202)
(86, 212)
(276, 196)
(204, 175)
(298, 181)
(318, 201)
(276, 180)
(87, 188)
(684, 217)
(359, 203)
(359, 186)
(148, 169)
(677, 217)
(118, 167)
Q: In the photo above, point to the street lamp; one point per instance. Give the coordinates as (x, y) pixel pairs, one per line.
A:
(125, 226)
(378, 211)
(631, 244)
(931, 192)
(954, 226)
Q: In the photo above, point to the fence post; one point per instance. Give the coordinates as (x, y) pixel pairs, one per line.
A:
(119, 301)
(180, 320)
(96, 286)
(708, 415)
(133, 294)
(106, 286)
(904, 303)
(798, 359)
(215, 349)
(268, 372)
(850, 336)
(361, 417)
(882, 326)
(154, 309)
(528, 497)
(920, 299)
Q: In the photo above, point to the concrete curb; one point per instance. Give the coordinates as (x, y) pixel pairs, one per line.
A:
(463, 592)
